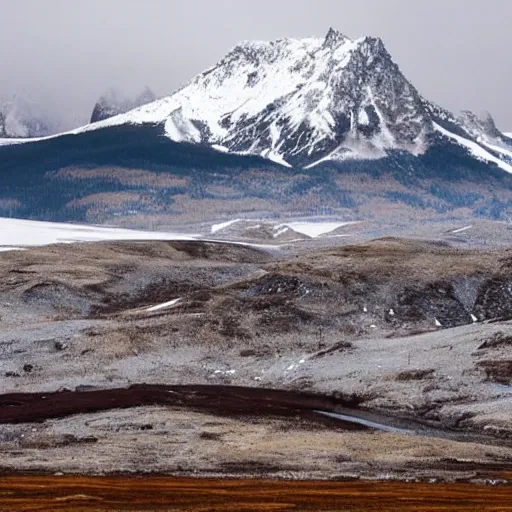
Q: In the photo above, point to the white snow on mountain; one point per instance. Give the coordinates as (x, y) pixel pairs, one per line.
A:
(475, 149)
(294, 99)
(302, 102)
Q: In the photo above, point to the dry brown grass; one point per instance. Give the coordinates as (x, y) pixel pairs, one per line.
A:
(110, 200)
(130, 177)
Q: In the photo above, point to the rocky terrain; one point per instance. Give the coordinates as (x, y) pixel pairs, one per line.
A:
(408, 340)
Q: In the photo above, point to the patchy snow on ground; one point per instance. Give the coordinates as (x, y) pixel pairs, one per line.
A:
(164, 305)
(461, 230)
(223, 225)
(312, 229)
(315, 229)
(474, 149)
(280, 230)
(17, 232)
(7, 248)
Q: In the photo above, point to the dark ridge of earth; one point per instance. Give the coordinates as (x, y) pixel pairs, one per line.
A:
(228, 401)
(38, 407)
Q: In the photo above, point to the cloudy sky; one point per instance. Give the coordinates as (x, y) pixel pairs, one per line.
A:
(63, 54)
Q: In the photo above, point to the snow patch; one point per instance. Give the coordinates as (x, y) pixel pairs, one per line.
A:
(224, 372)
(7, 248)
(280, 230)
(506, 152)
(18, 232)
(316, 229)
(164, 305)
(461, 230)
(222, 149)
(363, 118)
(474, 149)
(180, 129)
(223, 225)
(277, 158)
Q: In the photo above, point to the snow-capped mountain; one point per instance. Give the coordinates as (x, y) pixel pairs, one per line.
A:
(301, 102)
(114, 102)
(21, 118)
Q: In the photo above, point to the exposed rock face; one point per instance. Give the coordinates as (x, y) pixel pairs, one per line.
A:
(2, 125)
(483, 126)
(113, 103)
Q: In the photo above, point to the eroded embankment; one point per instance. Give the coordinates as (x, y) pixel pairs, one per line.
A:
(37, 407)
(340, 412)
(99, 494)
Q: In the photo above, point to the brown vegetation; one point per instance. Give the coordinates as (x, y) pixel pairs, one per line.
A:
(130, 177)
(497, 370)
(93, 494)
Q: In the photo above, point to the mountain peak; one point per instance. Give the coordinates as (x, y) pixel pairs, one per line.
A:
(482, 125)
(335, 38)
(302, 102)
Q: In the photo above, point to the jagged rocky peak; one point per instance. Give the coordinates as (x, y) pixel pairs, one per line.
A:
(336, 95)
(297, 100)
(335, 38)
(302, 102)
(114, 102)
(482, 125)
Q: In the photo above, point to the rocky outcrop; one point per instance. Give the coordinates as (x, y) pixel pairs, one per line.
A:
(113, 103)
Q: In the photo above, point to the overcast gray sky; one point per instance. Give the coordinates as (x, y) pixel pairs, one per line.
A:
(65, 53)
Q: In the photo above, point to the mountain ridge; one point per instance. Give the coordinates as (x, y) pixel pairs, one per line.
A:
(338, 99)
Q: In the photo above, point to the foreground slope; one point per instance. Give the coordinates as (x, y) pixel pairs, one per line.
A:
(408, 341)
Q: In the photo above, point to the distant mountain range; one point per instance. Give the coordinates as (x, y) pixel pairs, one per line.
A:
(21, 118)
(114, 102)
(322, 125)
